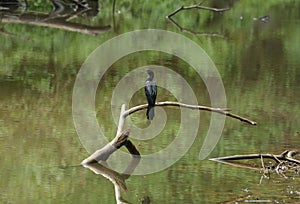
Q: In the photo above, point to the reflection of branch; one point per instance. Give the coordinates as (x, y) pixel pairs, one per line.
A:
(117, 179)
(197, 6)
(113, 176)
(102, 155)
(237, 199)
(234, 163)
(114, 8)
(114, 16)
(11, 35)
(43, 20)
(3, 8)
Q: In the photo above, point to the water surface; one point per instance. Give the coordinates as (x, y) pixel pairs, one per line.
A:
(259, 64)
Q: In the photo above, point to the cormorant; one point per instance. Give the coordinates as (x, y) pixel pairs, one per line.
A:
(151, 92)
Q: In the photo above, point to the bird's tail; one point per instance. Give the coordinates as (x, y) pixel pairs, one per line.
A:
(150, 112)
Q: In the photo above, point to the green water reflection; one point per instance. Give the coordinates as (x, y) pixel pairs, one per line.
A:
(259, 64)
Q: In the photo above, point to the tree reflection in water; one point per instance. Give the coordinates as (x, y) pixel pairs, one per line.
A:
(63, 12)
(117, 179)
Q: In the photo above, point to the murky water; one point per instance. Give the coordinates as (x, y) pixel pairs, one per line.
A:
(259, 65)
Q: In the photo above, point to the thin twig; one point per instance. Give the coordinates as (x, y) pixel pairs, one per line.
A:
(197, 6)
(263, 169)
(276, 159)
(262, 163)
(114, 7)
(182, 29)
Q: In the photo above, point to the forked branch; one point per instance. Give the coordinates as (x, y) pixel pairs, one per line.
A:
(103, 153)
(182, 29)
(121, 137)
(197, 6)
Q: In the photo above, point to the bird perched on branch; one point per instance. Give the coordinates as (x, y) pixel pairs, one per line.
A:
(151, 92)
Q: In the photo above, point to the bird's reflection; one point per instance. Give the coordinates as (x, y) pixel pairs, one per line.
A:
(116, 178)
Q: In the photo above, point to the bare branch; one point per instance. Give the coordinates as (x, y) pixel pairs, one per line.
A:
(103, 153)
(121, 120)
(284, 162)
(37, 19)
(197, 6)
(195, 107)
(277, 158)
(11, 35)
(182, 29)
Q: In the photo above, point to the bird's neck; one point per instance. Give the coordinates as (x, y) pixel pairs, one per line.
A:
(151, 76)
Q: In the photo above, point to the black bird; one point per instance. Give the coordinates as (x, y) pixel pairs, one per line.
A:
(151, 92)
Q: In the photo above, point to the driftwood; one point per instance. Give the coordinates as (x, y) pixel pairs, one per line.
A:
(285, 156)
(121, 137)
(103, 154)
(284, 162)
(196, 6)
